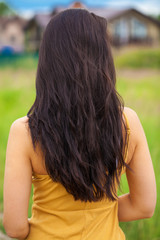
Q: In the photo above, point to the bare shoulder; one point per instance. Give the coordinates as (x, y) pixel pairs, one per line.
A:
(20, 126)
(20, 123)
(137, 136)
(131, 114)
(134, 122)
(19, 132)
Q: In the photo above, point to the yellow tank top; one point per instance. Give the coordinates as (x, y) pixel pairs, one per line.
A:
(57, 216)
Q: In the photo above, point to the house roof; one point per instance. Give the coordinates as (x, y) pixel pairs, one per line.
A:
(42, 19)
(4, 20)
(118, 13)
(109, 13)
(39, 19)
(103, 12)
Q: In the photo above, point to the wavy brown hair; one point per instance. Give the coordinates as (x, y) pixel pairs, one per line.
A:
(77, 113)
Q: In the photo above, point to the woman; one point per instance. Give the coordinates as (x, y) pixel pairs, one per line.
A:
(75, 143)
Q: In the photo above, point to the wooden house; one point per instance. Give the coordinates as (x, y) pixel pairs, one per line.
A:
(131, 26)
(34, 30)
(12, 35)
(125, 26)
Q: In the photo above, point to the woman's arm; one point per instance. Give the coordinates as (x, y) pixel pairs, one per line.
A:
(141, 200)
(17, 181)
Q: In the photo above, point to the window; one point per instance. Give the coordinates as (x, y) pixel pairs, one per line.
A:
(121, 30)
(138, 29)
(12, 38)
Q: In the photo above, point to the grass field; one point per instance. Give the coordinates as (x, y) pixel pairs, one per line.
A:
(138, 81)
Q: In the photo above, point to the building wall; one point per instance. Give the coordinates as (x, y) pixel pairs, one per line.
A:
(154, 32)
(33, 33)
(12, 35)
(153, 29)
(148, 31)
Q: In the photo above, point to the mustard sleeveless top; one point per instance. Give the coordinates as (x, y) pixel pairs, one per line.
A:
(57, 216)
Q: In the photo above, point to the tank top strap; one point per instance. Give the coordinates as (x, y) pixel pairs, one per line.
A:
(127, 137)
(127, 123)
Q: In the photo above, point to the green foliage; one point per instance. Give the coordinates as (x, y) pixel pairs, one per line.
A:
(134, 58)
(5, 10)
(138, 58)
(19, 61)
(16, 96)
(1, 227)
(142, 94)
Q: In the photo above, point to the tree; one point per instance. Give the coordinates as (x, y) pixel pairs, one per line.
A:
(5, 10)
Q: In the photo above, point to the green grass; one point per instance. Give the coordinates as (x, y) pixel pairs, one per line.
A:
(27, 61)
(146, 57)
(143, 96)
(15, 100)
(138, 58)
(140, 90)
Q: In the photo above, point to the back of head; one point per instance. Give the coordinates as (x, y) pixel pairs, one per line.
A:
(77, 115)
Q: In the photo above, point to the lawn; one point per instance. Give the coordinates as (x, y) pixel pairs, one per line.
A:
(143, 96)
(138, 58)
(139, 85)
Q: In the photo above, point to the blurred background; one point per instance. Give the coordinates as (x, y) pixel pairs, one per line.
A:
(134, 29)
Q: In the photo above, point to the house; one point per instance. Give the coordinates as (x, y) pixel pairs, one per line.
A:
(34, 30)
(125, 26)
(12, 35)
(131, 26)
(36, 26)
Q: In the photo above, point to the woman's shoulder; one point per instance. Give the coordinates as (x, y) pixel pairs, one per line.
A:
(20, 123)
(132, 119)
(21, 127)
(130, 113)
(19, 131)
(135, 131)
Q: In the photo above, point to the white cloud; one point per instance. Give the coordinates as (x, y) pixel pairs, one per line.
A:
(27, 14)
(151, 7)
(146, 6)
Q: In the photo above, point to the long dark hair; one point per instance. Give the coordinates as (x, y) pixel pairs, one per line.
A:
(77, 114)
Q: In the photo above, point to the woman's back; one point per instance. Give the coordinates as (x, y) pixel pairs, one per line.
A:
(75, 143)
(56, 214)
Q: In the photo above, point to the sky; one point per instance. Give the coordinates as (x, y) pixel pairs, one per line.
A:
(28, 8)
